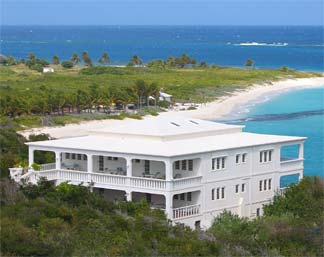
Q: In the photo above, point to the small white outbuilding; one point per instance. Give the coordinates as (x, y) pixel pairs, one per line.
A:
(48, 69)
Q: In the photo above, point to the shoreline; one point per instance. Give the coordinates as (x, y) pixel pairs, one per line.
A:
(209, 111)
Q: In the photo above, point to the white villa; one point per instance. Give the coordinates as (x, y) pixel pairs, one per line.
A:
(193, 169)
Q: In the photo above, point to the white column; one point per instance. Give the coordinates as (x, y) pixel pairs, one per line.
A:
(128, 196)
(90, 163)
(301, 151)
(129, 167)
(168, 205)
(30, 156)
(168, 170)
(57, 160)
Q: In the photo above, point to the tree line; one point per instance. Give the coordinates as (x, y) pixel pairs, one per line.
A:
(46, 101)
(68, 220)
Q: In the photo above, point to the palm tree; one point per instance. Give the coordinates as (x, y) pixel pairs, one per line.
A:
(249, 63)
(56, 60)
(86, 58)
(136, 60)
(75, 58)
(32, 57)
(104, 59)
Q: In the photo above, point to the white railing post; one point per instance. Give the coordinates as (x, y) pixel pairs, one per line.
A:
(89, 166)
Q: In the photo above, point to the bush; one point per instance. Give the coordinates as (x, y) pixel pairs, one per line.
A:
(67, 64)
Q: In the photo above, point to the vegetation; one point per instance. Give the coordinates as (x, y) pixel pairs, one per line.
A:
(249, 63)
(44, 220)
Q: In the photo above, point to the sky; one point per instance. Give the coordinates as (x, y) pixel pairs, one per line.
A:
(158, 12)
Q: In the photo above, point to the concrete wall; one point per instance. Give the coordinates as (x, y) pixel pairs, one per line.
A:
(155, 166)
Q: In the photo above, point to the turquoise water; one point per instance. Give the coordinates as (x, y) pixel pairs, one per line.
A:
(293, 113)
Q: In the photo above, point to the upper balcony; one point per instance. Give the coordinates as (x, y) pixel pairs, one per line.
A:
(118, 172)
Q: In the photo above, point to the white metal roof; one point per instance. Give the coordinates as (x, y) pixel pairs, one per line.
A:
(206, 138)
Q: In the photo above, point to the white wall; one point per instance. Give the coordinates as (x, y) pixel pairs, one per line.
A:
(155, 166)
(110, 164)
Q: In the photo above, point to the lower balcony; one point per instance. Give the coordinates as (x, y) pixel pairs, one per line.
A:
(186, 211)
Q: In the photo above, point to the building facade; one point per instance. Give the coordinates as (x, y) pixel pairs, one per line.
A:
(193, 169)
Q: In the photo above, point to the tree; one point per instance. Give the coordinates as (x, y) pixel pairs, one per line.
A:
(11, 61)
(32, 57)
(86, 59)
(75, 58)
(104, 59)
(56, 60)
(67, 64)
(249, 63)
(136, 60)
(203, 64)
(284, 69)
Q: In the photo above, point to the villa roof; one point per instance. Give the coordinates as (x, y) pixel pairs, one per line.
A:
(131, 139)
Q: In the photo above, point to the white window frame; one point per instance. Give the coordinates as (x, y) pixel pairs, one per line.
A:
(222, 164)
(266, 156)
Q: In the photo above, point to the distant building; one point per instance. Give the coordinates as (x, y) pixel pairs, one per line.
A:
(192, 169)
(165, 97)
(48, 69)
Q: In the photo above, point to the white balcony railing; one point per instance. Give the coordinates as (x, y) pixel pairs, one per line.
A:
(110, 179)
(186, 182)
(186, 211)
(48, 166)
(291, 164)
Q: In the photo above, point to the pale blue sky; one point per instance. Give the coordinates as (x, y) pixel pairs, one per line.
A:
(157, 12)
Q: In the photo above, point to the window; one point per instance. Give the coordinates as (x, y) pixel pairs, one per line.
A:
(182, 197)
(244, 158)
(79, 157)
(237, 188)
(109, 158)
(137, 160)
(243, 188)
(266, 156)
(237, 159)
(258, 212)
(189, 196)
(177, 165)
(67, 155)
(269, 183)
(190, 165)
(217, 193)
(73, 156)
(265, 185)
(115, 158)
(85, 157)
(101, 163)
(260, 185)
(101, 191)
(147, 166)
(223, 192)
(184, 165)
(213, 194)
(176, 197)
(218, 163)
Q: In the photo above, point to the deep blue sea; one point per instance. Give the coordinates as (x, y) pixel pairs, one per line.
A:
(297, 47)
(297, 113)
(293, 113)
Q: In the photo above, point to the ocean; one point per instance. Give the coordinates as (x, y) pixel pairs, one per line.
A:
(296, 113)
(293, 113)
(298, 47)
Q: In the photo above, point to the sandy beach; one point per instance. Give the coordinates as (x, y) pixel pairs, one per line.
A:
(213, 110)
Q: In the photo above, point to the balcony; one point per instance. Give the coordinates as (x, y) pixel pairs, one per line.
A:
(186, 211)
(112, 180)
(287, 164)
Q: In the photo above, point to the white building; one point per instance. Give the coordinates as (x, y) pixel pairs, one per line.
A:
(193, 169)
(48, 70)
(165, 97)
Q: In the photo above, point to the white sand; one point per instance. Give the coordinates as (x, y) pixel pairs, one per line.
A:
(213, 110)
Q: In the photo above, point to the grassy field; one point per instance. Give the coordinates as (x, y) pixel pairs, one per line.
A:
(24, 87)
